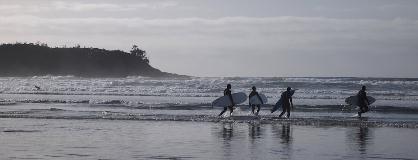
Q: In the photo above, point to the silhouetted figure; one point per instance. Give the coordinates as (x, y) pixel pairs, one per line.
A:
(227, 92)
(37, 88)
(286, 102)
(255, 93)
(363, 101)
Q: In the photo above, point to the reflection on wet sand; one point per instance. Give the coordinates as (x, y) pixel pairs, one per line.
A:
(286, 141)
(254, 131)
(362, 139)
(359, 139)
(286, 137)
(282, 139)
(225, 133)
(284, 134)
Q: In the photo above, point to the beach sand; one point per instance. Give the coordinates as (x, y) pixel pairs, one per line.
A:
(27, 138)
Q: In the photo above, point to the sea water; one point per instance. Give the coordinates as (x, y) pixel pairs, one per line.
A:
(172, 118)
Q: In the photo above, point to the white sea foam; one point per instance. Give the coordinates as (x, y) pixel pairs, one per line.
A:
(308, 88)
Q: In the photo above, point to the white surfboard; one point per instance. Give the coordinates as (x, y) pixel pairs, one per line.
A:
(255, 100)
(225, 101)
(280, 101)
(353, 100)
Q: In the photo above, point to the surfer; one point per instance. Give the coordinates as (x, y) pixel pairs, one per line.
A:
(227, 92)
(287, 102)
(363, 101)
(255, 93)
(37, 88)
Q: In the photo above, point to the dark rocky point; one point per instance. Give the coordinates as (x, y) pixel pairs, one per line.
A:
(28, 59)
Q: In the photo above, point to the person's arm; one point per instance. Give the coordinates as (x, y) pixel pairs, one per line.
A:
(291, 102)
(249, 97)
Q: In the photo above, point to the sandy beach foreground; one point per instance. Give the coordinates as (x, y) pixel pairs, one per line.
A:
(121, 139)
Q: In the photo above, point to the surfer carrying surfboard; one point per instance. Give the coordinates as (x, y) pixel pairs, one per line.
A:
(255, 93)
(227, 92)
(363, 101)
(286, 102)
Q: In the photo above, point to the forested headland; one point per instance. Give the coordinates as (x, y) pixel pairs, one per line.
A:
(29, 59)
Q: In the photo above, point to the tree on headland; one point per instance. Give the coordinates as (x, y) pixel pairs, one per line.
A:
(135, 51)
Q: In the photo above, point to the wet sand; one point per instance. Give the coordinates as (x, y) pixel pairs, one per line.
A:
(27, 138)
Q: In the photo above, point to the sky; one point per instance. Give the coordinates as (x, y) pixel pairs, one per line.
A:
(267, 38)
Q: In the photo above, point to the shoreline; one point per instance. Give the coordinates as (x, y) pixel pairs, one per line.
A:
(319, 122)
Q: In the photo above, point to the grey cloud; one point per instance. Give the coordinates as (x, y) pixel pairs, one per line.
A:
(218, 38)
(150, 9)
(79, 7)
(115, 7)
(275, 32)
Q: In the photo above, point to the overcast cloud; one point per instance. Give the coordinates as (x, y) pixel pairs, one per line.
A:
(376, 38)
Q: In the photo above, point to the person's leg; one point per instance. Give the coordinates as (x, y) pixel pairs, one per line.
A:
(258, 109)
(231, 109)
(252, 109)
(223, 111)
(283, 110)
(361, 110)
(288, 111)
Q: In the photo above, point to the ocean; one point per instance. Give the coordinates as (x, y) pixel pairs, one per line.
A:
(172, 118)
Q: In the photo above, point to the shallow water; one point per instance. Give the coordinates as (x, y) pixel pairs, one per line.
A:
(310, 90)
(116, 139)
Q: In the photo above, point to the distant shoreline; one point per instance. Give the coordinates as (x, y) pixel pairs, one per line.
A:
(28, 59)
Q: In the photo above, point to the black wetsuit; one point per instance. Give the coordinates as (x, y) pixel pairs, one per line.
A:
(255, 93)
(231, 109)
(363, 101)
(228, 92)
(286, 100)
